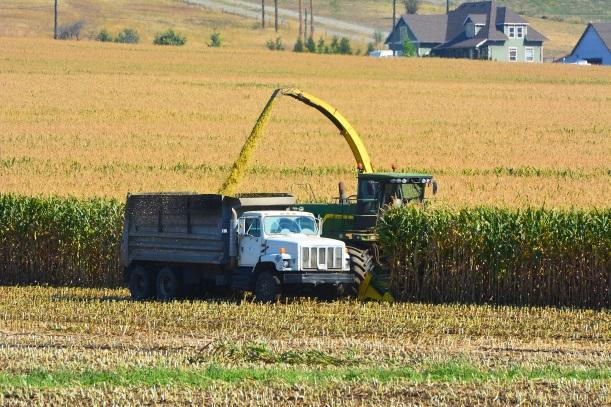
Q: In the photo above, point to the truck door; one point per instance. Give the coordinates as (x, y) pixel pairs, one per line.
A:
(251, 242)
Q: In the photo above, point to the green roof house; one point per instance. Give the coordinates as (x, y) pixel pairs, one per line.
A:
(480, 30)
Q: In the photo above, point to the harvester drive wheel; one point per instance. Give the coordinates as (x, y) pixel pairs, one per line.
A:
(267, 287)
(141, 284)
(169, 285)
(361, 263)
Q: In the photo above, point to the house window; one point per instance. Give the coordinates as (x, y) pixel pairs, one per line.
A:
(513, 54)
(511, 30)
(403, 33)
(520, 32)
(529, 54)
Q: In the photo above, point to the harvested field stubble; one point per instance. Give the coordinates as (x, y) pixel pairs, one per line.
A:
(91, 346)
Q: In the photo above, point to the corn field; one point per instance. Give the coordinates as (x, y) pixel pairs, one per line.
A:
(475, 255)
(60, 241)
(501, 256)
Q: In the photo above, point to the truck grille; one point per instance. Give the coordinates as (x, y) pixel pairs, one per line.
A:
(317, 258)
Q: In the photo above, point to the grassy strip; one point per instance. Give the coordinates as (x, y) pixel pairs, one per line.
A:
(156, 376)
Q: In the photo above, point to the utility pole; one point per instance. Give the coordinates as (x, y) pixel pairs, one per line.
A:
(263, 14)
(300, 18)
(447, 6)
(394, 14)
(305, 27)
(276, 15)
(311, 20)
(55, 22)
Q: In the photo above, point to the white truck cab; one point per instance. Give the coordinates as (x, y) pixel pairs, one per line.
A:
(289, 240)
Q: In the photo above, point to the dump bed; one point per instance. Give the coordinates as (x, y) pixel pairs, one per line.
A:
(186, 227)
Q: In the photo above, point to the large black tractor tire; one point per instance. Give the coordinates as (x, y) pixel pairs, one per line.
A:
(267, 287)
(361, 263)
(141, 284)
(169, 285)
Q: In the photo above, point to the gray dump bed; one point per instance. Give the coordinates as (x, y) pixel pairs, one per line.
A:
(187, 227)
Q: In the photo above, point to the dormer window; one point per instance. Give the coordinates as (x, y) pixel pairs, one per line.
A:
(511, 31)
(470, 29)
(520, 31)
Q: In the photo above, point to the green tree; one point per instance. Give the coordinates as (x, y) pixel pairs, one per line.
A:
(344, 46)
(298, 45)
(320, 47)
(409, 50)
(310, 45)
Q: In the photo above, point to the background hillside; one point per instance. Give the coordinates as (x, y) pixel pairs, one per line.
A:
(562, 21)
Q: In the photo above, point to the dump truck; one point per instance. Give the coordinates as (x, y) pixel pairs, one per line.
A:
(179, 244)
(351, 219)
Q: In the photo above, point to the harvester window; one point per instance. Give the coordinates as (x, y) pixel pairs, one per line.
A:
(369, 197)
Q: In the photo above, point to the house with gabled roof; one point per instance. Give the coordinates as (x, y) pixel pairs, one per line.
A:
(594, 46)
(479, 30)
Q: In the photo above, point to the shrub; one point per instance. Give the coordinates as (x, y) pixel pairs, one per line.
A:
(70, 31)
(370, 48)
(275, 45)
(215, 40)
(104, 36)
(128, 36)
(169, 37)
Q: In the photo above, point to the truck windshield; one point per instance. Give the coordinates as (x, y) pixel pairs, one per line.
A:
(282, 225)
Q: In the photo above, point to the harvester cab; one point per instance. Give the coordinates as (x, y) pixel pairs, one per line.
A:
(377, 191)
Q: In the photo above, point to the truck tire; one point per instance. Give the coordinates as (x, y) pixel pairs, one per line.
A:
(169, 285)
(267, 287)
(141, 284)
(361, 263)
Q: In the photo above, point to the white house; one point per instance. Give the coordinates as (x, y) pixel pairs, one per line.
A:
(594, 46)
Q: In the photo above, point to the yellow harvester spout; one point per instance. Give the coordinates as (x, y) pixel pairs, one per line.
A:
(354, 140)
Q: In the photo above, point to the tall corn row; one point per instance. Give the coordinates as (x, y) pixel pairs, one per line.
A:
(500, 256)
(63, 241)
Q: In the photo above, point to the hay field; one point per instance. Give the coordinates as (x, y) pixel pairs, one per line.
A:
(86, 118)
(75, 346)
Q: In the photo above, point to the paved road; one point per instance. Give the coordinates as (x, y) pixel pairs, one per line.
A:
(330, 25)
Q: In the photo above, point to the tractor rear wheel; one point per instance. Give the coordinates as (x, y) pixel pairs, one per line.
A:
(361, 263)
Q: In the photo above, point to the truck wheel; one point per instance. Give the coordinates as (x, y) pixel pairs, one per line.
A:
(141, 284)
(169, 286)
(267, 287)
(361, 263)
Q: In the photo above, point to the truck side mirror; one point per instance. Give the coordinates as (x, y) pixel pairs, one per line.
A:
(241, 227)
